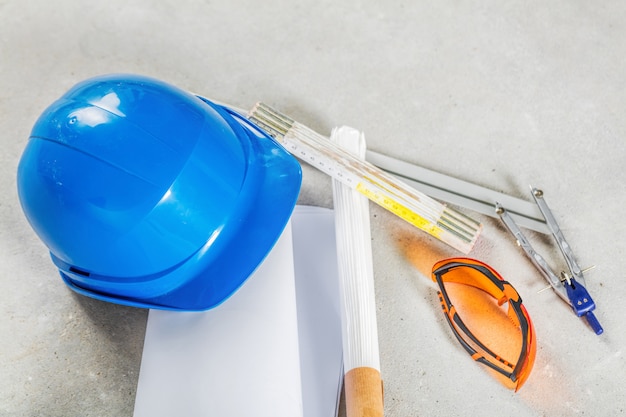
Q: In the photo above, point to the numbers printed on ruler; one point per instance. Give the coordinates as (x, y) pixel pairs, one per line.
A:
(335, 171)
(399, 210)
(328, 168)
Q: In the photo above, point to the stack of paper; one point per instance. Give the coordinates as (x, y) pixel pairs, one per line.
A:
(272, 349)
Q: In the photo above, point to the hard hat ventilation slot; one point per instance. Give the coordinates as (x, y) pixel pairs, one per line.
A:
(78, 271)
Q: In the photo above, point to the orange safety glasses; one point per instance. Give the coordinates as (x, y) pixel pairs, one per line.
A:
(473, 298)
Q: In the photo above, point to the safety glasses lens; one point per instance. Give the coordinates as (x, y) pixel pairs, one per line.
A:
(485, 322)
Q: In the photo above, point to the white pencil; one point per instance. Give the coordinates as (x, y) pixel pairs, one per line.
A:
(363, 383)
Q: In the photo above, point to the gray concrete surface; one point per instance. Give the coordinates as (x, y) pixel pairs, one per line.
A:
(503, 94)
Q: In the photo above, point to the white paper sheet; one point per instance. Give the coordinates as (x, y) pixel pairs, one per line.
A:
(257, 354)
(319, 315)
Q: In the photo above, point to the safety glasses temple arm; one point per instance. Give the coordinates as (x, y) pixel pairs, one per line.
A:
(477, 356)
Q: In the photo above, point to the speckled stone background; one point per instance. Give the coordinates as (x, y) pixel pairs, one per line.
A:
(503, 94)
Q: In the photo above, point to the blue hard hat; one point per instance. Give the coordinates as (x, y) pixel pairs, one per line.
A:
(149, 196)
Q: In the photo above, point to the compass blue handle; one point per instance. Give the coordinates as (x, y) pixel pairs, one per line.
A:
(594, 323)
(583, 304)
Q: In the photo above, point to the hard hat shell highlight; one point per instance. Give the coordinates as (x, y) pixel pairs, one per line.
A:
(149, 196)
